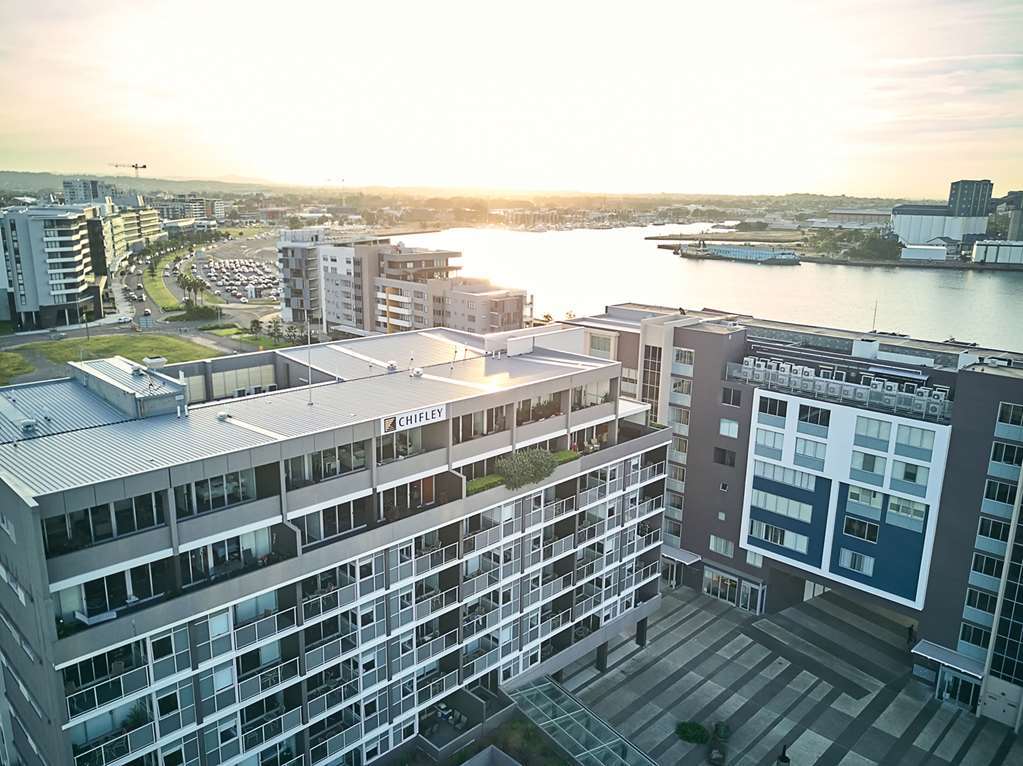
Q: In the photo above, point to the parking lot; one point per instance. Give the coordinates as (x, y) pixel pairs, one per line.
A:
(828, 678)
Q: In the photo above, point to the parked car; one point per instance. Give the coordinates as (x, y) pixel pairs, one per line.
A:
(147, 313)
(124, 319)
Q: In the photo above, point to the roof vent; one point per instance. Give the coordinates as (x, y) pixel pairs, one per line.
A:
(223, 415)
(417, 372)
(137, 371)
(392, 366)
(28, 426)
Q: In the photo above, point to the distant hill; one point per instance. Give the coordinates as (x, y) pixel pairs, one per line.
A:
(18, 181)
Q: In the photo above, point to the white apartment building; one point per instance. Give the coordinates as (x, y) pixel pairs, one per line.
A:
(369, 285)
(275, 574)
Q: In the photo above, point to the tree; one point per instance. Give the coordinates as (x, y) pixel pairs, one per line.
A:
(275, 330)
(256, 327)
(291, 334)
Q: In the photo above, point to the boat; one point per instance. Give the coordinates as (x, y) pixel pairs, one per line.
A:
(746, 253)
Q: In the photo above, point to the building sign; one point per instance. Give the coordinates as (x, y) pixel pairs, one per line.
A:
(408, 420)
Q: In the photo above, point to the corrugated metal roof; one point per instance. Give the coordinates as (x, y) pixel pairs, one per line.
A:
(109, 451)
(119, 371)
(56, 406)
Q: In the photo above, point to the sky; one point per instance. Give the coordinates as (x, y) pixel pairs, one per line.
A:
(864, 97)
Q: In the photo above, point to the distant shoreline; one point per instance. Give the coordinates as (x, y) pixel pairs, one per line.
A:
(772, 236)
(951, 265)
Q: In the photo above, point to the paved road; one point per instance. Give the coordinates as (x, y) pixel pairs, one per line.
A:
(828, 677)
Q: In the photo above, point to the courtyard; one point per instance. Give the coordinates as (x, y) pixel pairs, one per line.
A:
(828, 678)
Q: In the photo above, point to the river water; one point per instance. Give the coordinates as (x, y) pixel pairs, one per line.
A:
(585, 269)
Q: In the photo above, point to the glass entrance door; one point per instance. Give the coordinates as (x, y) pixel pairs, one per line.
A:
(751, 597)
(958, 689)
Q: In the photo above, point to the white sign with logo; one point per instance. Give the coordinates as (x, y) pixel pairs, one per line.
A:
(407, 420)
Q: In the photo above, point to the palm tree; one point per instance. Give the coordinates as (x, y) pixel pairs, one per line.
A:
(256, 327)
(292, 334)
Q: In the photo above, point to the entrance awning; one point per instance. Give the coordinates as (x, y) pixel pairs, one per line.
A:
(950, 659)
(677, 554)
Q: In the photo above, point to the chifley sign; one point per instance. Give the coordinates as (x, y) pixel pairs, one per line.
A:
(407, 420)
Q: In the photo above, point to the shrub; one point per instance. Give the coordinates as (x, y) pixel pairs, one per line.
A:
(526, 467)
(691, 731)
(196, 312)
(565, 456)
(481, 483)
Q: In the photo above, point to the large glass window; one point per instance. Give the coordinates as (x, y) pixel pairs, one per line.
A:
(86, 527)
(873, 428)
(591, 394)
(728, 427)
(784, 475)
(1009, 454)
(1000, 492)
(399, 444)
(864, 461)
(868, 497)
(864, 530)
(775, 407)
(814, 415)
(778, 536)
(910, 472)
(855, 561)
(783, 506)
(917, 438)
(1010, 414)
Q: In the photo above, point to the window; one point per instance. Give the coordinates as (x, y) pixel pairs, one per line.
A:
(857, 562)
(399, 444)
(597, 392)
(679, 444)
(811, 449)
(775, 407)
(770, 439)
(681, 386)
(873, 428)
(721, 545)
(864, 530)
(600, 345)
(731, 396)
(975, 635)
(729, 428)
(1010, 414)
(684, 356)
(778, 536)
(676, 472)
(909, 508)
(754, 559)
(724, 457)
(867, 497)
(723, 486)
(994, 529)
(867, 463)
(908, 472)
(986, 565)
(978, 599)
(651, 377)
(678, 415)
(918, 438)
(782, 505)
(814, 415)
(784, 475)
(1000, 492)
(1009, 454)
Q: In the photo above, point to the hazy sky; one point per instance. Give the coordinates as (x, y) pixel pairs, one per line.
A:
(885, 97)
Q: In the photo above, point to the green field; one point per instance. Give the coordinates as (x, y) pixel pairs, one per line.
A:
(244, 336)
(157, 289)
(134, 347)
(12, 365)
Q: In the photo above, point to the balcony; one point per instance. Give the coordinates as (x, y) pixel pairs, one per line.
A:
(332, 647)
(432, 602)
(429, 558)
(327, 601)
(337, 690)
(271, 724)
(434, 685)
(484, 538)
(481, 616)
(430, 645)
(557, 548)
(120, 684)
(482, 659)
(116, 745)
(346, 733)
(489, 575)
(266, 627)
(264, 680)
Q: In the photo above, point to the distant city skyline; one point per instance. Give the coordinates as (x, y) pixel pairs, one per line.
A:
(862, 98)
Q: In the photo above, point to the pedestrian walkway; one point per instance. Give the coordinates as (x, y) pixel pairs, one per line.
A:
(829, 678)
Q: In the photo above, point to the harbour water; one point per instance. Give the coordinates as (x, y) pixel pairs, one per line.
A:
(585, 269)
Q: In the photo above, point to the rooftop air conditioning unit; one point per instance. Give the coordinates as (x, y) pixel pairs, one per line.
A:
(747, 361)
(784, 367)
(923, 392)
(909, 388)
(272, 387)
(891, 387)
(840, 375)
(877, 384)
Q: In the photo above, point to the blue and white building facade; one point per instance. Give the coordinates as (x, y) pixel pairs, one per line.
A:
(844, 493)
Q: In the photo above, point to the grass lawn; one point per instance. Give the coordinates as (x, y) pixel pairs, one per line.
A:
(134, 346)
(12, 365)
(156, 288)
(244, 336)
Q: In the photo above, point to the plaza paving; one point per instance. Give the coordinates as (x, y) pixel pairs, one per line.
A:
(828, 677)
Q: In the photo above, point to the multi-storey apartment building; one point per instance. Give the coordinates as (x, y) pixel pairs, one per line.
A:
(215, 563)
(369, 285)
(48, 272)
(805, 458)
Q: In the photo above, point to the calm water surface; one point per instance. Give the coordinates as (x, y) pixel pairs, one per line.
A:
(584, 270)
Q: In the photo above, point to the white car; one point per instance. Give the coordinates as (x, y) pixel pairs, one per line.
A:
(243, 299)
(124, 319)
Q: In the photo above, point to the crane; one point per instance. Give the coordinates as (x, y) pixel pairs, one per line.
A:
(137, 167)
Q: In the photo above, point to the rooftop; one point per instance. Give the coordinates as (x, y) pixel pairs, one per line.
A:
(93, 442)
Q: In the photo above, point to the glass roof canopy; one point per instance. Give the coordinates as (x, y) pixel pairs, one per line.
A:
(577, 730)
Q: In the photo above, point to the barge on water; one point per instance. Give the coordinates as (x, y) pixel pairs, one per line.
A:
(743, 253)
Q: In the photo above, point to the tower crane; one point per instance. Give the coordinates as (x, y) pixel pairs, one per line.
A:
(136, 166)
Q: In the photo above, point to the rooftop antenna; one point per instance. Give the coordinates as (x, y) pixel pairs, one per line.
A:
(873, 323)
(309, 358)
